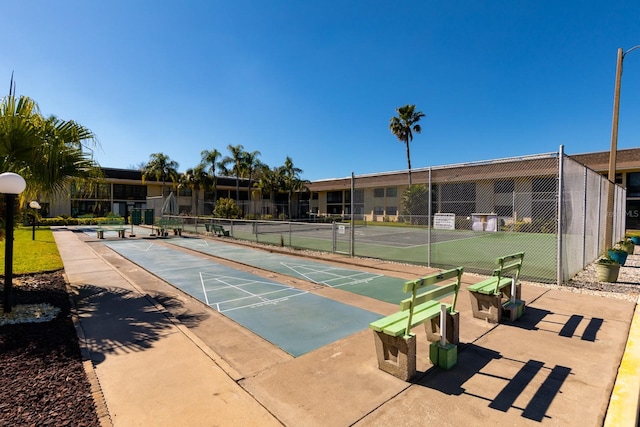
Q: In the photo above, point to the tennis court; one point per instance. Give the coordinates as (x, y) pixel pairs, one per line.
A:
(475, 250)
(295, 320)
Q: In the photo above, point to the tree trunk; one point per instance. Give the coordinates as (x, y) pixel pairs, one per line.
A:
(408, 162)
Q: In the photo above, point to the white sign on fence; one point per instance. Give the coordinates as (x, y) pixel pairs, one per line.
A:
(444, 221)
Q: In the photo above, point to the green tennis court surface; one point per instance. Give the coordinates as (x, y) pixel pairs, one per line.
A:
(294, 320)
(476, 251)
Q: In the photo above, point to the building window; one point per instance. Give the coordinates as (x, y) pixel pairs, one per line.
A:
(129, 192)
(392, 210)
(633, 184)
(91, 191)
(392, 192)
(457, 198)
(378, 192)
(504, 210)
(358, 196)
(334, 197)
(378, 210)
(507, 186)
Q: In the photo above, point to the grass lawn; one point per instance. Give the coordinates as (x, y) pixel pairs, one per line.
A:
(33, 256)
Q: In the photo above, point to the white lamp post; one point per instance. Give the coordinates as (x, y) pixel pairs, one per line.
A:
(35, 206)
(11, 184)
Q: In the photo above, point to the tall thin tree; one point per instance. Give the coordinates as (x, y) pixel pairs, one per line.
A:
(195, 178)
(292, 181)
(233, 165)
(212, 160)
(403, 125)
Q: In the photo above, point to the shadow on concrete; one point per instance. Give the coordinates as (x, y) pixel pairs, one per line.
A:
(180, 311)
(471, 361)
(115, 320)
(530, 319)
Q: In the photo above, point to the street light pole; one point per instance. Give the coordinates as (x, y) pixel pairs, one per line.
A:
(11, 184)
(35, 206)
(614, 145)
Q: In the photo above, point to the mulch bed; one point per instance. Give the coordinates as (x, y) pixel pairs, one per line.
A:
(42, 379)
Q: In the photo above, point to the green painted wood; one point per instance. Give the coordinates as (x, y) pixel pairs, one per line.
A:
(423, 306)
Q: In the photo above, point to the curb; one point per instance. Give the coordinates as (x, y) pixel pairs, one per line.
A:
(625, 398)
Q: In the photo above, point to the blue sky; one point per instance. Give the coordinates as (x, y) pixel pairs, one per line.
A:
(319, 80)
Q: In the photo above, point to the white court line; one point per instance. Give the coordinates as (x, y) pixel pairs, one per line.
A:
(327, 271)
(270, 302)
(204, 289)
(140, 247)
(250, 295)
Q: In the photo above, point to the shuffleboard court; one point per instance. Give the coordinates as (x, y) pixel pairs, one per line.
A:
(295, 320)
(376, 286)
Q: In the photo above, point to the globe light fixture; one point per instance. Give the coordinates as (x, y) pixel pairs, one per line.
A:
(11, 184)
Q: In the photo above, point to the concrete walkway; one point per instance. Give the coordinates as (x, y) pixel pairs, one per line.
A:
(162, 358)
(151, 369)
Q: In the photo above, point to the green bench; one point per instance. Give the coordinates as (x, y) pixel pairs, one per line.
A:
(165, 224)
(394, 341)
(111, 224)
(216, 229)
(494, 296)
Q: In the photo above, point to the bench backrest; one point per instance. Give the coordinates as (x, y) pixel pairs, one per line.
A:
(432, 292)
(169, 222)
(511, 264)
(111, 221)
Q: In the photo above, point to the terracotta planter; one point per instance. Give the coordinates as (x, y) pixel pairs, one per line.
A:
(607, 272)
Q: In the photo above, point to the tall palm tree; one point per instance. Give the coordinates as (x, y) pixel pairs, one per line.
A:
(250, 165)
(403, 126)
(212, 159)
(47, 152)
(270, 181)
(291, 181)
(161, 168)
(232, 165)
(195, 179)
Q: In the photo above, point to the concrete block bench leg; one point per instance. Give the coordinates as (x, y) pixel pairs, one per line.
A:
(396, 355)
(432, 328)
(486, 307)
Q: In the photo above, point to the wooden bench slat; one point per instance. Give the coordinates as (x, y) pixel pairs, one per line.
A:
(422, 313)
(440, 292)
(422, 306)
(490, 285)
(430, 280)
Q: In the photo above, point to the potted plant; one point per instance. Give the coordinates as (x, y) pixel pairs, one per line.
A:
(626, 245)
(635, 240)
(618, 254)
(607, 270)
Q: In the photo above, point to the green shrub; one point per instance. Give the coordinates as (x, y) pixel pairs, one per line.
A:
(226, 208)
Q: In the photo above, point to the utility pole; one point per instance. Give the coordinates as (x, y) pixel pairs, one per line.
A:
(608, 236)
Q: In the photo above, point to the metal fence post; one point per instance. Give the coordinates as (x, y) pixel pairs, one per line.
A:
(559, 272)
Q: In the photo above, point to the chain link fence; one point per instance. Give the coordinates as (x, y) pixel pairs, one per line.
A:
(549, 206)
